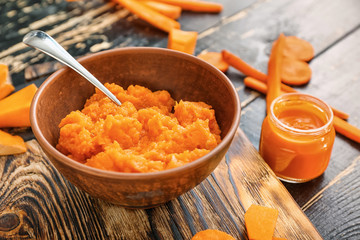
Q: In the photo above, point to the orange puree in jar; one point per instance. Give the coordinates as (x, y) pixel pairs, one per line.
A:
(297, 137)
(149, 132)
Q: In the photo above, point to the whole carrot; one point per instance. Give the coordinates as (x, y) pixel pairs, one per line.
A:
(274, 71)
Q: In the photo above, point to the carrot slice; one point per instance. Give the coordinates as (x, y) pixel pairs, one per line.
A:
(274, 71)
(295, 72)
(242, 66)
(168, 10)
(195, 6)
(260, 86)
(212, 234)
(10, 145)
(149, 15)
(260, 222)
(216, 59)
(6, 86)
(346, 129)
(183, 41)
(298, 48)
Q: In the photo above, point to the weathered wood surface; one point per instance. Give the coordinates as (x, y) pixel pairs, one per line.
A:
(37, 202)
(246, 28)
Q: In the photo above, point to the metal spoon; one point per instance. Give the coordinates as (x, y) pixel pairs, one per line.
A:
(43, 42)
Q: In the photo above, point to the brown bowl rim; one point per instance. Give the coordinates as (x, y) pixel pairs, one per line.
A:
(121, 175)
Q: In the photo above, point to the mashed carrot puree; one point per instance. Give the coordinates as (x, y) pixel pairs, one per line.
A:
(141, 135)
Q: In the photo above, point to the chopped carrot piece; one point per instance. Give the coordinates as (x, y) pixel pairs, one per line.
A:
(15, 109)
(5, 89)
(274, 71)
(168, 10)
(260, 222)
(216, 59)
(295, 72)
(242, 66)
(212, 234)
(298, 48)
(4, 73)
(10, 145)
(195, 6)
(346, 129)
(260, 86)
(183, 41)
(6, 86)
(149, 15)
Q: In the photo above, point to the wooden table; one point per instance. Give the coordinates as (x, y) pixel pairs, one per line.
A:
(37, 202)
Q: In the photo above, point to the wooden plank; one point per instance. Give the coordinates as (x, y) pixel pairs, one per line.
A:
(337, 213)
(37, 202)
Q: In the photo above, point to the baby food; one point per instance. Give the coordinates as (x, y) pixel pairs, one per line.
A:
(149, 132)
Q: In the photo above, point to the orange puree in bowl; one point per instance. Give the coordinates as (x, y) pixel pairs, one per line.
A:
(149, 132)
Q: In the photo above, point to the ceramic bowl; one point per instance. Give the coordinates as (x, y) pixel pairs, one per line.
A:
(184, 76)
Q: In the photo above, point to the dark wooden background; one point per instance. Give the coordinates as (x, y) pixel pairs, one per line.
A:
(247, 28)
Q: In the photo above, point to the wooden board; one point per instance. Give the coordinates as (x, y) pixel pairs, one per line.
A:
(37, 202)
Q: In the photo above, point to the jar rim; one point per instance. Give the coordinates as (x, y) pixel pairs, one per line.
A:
(328, 111)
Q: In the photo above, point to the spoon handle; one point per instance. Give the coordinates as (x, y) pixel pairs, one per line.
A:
(43, 42)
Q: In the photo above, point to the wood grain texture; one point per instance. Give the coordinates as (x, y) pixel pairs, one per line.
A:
(38, 196)
(37, 202)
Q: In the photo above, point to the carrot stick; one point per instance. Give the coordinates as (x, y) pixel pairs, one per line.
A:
(274, 71)
(242, 66)
(168, 10)
(151, 16)
(295, 72)
(262, 87)
(216, 59)
(256, 85)
(340, 114)
(346, 129)
(195, 6)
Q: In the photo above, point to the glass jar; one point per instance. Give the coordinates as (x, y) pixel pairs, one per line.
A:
(297, 137)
